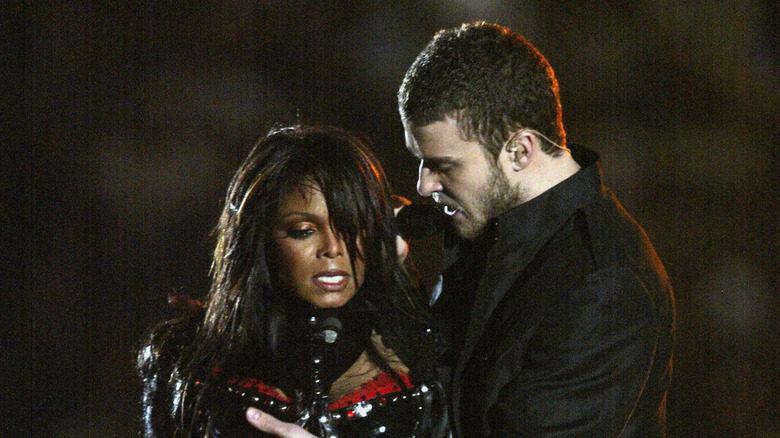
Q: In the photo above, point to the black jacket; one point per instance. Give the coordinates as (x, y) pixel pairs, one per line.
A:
(564, 319)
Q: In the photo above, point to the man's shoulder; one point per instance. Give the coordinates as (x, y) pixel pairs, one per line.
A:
(616, 237)
(600, 242)
(625, 266)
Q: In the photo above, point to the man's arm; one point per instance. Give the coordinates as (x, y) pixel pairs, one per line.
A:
(587, 368)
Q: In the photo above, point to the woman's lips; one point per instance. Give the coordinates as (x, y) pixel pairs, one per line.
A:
(331, 281)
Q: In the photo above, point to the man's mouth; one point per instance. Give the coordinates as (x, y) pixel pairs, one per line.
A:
(449, 211)
(444, 201)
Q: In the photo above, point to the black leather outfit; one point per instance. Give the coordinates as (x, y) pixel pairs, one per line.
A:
(392, 406)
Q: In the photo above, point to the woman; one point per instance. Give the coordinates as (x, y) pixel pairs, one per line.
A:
(310, 317)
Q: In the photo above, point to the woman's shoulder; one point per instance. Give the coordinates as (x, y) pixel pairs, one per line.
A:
(165, 341)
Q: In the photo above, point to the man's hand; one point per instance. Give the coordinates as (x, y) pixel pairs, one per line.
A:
(269, 424)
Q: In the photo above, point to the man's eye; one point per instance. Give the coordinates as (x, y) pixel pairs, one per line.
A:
(300, 233)
(439, 167)
(443, 168)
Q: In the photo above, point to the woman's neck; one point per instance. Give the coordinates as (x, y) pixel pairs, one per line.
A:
(364, 369)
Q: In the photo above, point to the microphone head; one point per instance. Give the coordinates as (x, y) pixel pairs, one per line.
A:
(330, 336)
(330, 328)
(420, 221)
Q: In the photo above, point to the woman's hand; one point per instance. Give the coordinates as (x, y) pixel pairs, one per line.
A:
(401, 246)
(269, 424)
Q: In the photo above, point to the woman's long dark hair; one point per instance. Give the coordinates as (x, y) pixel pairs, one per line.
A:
(238, 308)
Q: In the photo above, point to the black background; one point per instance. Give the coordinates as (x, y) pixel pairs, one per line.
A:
(124, 121)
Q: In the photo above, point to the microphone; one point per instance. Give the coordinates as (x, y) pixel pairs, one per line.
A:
(329, 330)
(420, 221)
(315, 417)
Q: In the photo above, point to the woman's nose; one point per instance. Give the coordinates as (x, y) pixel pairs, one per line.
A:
(332, 245)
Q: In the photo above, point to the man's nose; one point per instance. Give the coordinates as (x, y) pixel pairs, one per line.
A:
(427, 182)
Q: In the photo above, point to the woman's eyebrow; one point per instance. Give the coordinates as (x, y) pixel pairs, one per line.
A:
(303, 214)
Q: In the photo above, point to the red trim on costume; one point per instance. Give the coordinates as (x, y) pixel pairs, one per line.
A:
(257, 384)
(380, 385)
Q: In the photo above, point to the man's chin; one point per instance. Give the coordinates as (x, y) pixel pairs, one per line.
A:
(465, 228)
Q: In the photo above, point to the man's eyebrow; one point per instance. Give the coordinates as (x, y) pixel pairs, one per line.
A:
(438, 161)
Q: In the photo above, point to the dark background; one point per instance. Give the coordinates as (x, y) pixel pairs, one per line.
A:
(124, 121)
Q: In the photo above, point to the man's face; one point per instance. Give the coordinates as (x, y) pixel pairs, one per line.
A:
(461, 175)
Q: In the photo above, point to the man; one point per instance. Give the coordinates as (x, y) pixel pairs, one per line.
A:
(563, 316)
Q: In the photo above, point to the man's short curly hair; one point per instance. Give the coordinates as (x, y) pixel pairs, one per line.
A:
(492, 80)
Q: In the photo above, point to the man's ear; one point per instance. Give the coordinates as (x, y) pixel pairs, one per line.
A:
(519, 149)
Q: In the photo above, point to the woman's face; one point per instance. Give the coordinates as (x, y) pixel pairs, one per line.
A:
(310, 259)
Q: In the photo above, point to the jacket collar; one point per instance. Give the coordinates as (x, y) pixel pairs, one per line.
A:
(546, 213)
(541, 216)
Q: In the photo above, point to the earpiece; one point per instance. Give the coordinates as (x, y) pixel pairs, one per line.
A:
(523, 161)
(511, 144)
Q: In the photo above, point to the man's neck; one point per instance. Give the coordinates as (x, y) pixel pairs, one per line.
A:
(549, 172)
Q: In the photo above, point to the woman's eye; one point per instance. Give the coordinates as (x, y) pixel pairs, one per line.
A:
(300, 233)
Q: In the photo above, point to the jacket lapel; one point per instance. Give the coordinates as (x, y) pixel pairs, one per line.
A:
(504, 265)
